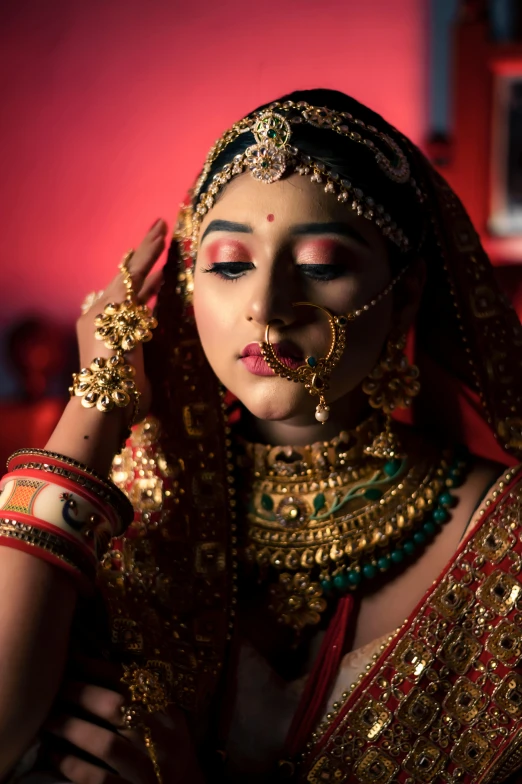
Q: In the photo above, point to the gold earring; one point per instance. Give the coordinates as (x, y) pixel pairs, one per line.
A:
(392, 384)
(315, 373)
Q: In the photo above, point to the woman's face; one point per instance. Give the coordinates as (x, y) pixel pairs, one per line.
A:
(264, 247)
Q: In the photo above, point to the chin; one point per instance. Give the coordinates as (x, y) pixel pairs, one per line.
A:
(275, 401)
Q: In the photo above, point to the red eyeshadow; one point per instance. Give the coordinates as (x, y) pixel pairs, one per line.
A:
(227, 250)
(321, 251)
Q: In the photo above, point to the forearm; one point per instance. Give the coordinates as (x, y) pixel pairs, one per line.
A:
(89, 436)
(36, 611)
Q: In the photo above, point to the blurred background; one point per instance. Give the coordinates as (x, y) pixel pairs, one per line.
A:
(109, 108)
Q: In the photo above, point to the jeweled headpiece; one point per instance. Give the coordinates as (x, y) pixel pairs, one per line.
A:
(273, 154)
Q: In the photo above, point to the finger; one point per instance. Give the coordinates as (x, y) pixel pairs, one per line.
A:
(80, 772)
(142, 261)
(111, 748)
(104, 703)
(151, 286)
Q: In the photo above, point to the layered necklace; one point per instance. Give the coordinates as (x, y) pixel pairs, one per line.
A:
(325, 519)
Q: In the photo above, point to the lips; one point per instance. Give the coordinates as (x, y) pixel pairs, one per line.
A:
(287, 352)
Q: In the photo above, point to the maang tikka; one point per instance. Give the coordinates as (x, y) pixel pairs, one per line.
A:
(315, 373)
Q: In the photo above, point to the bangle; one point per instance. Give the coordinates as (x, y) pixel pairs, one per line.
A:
(56, 550)
(61, 507)
(63, 466)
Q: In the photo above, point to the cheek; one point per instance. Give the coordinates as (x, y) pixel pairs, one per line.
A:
(365, 339)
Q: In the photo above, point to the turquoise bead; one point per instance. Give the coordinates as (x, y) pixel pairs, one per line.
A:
(369, 571)
(419, 538)
(429, 528)
(312, 362)
(440, 515)
(326, 586)
(455, 476)
(354, 578)
(408, 547)
(397, 556)
(340, 582)
(391, 467)
(446, 499)
(373, 494)
(384, 563)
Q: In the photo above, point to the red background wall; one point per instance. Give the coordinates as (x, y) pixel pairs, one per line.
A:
(108, 108)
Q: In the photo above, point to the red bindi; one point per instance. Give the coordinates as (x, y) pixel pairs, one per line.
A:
(270, 218)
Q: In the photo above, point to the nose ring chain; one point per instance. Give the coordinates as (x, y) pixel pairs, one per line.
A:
(315, 373)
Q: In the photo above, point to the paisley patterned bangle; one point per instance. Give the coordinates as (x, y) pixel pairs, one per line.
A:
(62, 507)
(60, 465)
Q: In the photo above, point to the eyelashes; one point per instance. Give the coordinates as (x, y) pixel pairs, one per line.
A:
(232, 271)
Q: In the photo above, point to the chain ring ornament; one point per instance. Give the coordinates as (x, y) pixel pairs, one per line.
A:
(315, 373)
(122, 326)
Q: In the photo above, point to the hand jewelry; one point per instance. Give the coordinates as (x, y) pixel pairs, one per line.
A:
(107, 383)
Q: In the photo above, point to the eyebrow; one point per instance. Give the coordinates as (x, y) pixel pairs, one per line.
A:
(223, 225)
(302, 229)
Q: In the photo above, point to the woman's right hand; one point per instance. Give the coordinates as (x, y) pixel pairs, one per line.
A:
(86, 434)
(145, 286)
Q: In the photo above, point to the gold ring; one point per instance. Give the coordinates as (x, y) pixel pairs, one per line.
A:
(127, 279)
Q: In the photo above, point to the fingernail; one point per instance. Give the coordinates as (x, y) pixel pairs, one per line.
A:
(155, 223)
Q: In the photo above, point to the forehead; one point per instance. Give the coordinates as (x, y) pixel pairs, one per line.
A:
(291, 200)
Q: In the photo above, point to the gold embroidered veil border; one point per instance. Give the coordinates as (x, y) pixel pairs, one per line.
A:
(170, 583)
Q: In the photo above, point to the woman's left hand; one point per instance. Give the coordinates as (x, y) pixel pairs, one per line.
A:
(121, 753)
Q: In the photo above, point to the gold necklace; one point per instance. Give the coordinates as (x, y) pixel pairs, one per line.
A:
(322, 519)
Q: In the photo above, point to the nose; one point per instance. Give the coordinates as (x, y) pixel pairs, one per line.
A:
(271, 300)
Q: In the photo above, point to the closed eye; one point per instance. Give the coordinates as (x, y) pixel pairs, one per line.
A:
(230, 270)
(323, 272)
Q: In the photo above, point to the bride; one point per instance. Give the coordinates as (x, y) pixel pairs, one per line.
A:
(319, 576)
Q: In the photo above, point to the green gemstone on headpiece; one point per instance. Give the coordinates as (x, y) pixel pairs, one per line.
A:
(267, 502)
(311, 361)
(397, 556)
(272, 134)
(419, 538)
(384, 563)
(408, 547)
(342, 320)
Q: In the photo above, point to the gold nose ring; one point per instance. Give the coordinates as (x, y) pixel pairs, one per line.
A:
(315, 372)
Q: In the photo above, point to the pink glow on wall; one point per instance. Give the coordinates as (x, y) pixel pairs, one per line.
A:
(108, 109)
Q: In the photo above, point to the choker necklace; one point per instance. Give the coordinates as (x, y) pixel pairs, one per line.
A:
(323, 519)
